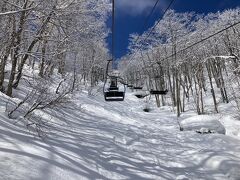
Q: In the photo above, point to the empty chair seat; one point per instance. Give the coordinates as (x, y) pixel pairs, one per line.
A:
(158, 92)
(137, 87)
(114, 96)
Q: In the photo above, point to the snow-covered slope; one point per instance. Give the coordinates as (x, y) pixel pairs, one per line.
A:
(94, 139)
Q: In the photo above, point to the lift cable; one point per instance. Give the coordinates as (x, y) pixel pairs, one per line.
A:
(146, 20)
(113, 29)
(151, 30)
(198, 42)
(112, 93)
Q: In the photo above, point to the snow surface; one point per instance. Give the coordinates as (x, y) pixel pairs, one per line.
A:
(94, 139)
(203, 124)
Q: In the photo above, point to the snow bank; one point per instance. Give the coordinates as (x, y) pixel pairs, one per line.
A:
(203, 124)
(232, 126)
(94, 139)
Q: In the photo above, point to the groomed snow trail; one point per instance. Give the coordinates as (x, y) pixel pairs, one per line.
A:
(94, 139)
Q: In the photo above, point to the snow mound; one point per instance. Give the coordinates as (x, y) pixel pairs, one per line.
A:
(203, 124)
(141, 94)
(232, 125)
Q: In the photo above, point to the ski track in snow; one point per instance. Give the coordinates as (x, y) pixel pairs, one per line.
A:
(114, 140)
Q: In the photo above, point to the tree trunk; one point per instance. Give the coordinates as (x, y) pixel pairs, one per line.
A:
(31, 46)
(18, 38)
(212, 88)
(43, 59)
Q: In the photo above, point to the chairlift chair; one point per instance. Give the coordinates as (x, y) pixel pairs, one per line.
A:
(114, 96)
(129, 85)
(113, 93)
(137, 87)
(141, 96)
(158, 92)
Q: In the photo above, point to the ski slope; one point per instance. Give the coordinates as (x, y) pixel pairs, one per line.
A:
(94, 139)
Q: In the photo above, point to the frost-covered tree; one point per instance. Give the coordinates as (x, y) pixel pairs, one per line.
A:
(46, 32)
(189, 71)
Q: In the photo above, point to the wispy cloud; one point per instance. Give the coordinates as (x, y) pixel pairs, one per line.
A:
(137, 7)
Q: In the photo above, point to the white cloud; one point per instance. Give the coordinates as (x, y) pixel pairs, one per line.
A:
(136, 7)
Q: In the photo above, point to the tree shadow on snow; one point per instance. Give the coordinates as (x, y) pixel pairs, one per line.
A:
(94, 147)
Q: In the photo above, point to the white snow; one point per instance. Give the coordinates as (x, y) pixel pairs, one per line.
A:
(94, 139)
(203, 124)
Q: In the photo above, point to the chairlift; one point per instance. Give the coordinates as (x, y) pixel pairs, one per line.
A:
(114, 96)
(113, 93)
(137, 87)
(158, 92)
(130, 86)
(141, 96)
(157, 77)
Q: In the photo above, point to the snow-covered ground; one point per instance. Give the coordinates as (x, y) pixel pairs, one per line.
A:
(94, 139)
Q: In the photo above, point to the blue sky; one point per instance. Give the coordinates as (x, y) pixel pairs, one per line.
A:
(130, 16)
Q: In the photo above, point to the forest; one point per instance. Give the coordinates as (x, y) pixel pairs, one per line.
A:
(190, 55)
(177, 54)
(65, 35)
(176, 89)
